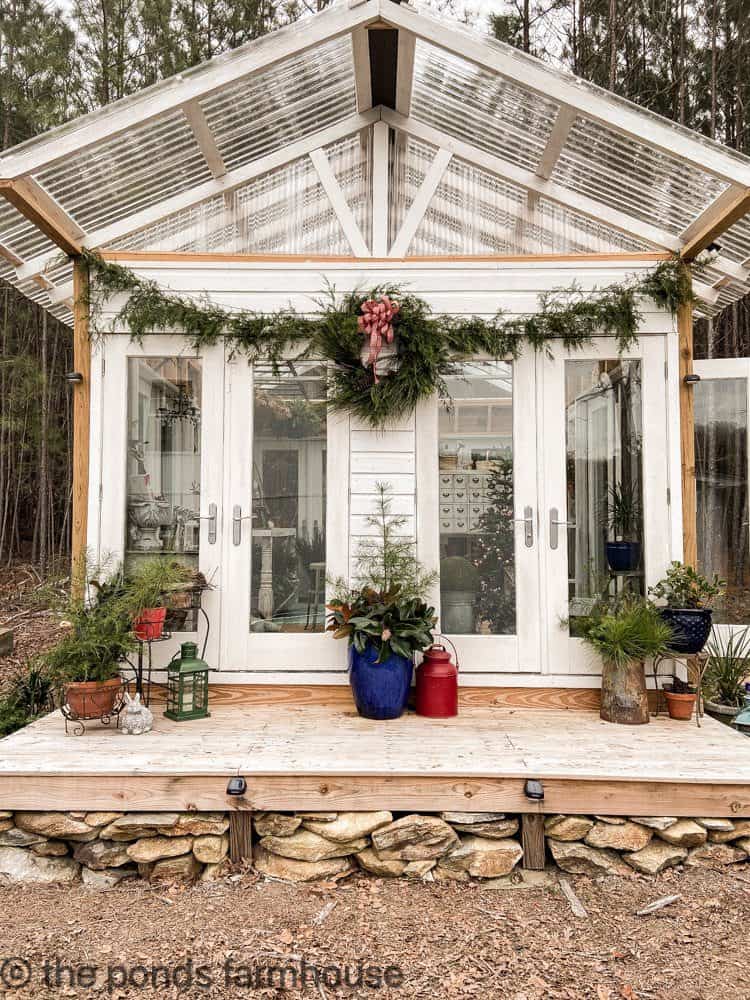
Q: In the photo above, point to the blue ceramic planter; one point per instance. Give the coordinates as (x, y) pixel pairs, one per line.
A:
(623, 557)
(380, 690)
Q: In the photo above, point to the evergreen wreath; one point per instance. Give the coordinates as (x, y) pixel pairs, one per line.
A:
(425, 347)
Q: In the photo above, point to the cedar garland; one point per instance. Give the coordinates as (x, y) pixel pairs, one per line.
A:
(426, 346)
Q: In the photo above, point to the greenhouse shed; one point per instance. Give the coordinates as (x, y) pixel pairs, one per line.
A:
(373, 145)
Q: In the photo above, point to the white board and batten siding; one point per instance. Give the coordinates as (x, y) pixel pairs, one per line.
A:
(393, 454)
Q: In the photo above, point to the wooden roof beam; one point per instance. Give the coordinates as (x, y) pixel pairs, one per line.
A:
(721, 214)
(361, 61)
(566, 117)
(407, 44)
(196, 119)
(39, 207)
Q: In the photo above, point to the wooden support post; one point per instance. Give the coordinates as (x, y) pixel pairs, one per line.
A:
(81, 425)
(687, 437)
(532, 841)
(241, 837)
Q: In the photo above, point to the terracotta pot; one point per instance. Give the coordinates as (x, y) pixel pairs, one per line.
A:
(149, 624)
(680, 706)
(92, 699)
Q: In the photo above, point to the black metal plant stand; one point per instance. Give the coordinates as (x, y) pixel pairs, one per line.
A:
(91, 711)
(695, 667)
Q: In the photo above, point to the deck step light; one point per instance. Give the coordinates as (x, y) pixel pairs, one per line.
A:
(534, 790)
(236, 785)
(187, 685)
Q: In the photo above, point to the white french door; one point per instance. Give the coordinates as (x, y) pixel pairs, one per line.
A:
(285, 522)
(604, 477)
(157, 466)
(478, 515)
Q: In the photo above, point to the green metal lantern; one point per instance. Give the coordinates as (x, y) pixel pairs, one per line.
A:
(187, 685)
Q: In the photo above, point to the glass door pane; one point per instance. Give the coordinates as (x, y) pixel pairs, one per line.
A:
(288, 560)
(721, 464)
(163, 459)
(477, 529)
(604, 432)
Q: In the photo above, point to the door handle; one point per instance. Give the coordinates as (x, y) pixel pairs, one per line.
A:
(237, 518)
(528, 522)
(554, 524)
(212, 521)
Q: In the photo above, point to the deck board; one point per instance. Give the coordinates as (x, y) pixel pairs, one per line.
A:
(318, 740)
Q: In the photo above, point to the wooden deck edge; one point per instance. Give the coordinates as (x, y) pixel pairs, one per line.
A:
(581, 699)
(148, 793)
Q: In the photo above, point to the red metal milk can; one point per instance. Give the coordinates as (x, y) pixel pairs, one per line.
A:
(437, 684)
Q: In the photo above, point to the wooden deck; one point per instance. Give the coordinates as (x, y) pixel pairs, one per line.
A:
(317, 756)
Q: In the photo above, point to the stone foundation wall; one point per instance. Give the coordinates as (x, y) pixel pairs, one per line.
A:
(102, 849)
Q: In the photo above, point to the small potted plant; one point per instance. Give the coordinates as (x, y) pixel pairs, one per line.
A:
(625, 634)
(687, 596)
(384, 617)
(459, 582)
(85, 663)
(146, 594)
(724, 677)
(624, 520)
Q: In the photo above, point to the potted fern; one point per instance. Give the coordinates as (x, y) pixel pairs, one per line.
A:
(384, 617)
(146, 594)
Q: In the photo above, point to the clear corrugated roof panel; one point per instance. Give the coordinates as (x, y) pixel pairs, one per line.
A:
(735, 242)
(283, 211)
(410, 160)
(350, 161)
(127, 173)
(476, 212)
(634, 177)
(481, 108)
(291, 100)
(20, 235)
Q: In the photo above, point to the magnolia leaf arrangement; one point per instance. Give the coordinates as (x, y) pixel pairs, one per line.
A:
(422, 348)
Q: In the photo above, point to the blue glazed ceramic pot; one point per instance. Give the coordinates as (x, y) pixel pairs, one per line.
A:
(380, 690)
(691, 628)
(623, 557)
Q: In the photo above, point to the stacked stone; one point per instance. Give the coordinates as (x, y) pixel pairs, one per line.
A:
(613, 845)
(451, 846)
(104, 848)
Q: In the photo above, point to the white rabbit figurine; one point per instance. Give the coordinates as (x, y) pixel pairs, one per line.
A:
(137, 718)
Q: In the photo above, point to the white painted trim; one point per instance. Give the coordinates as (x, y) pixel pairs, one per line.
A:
(527, 179)
(151, 103)
(705, 292)
(205, 138)
(420, 203)
(336, 196)
(231, 180)
(564, 88)
(361, 60)
(405, 71)
(380, 198)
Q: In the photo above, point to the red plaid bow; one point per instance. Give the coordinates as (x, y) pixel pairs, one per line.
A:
(376, 322)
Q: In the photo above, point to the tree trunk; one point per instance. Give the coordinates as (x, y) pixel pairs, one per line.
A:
(624, 698)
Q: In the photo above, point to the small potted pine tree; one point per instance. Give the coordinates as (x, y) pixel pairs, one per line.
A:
(385, 617)
(625, 633)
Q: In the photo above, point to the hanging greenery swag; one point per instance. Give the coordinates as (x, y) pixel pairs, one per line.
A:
(425, 347)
